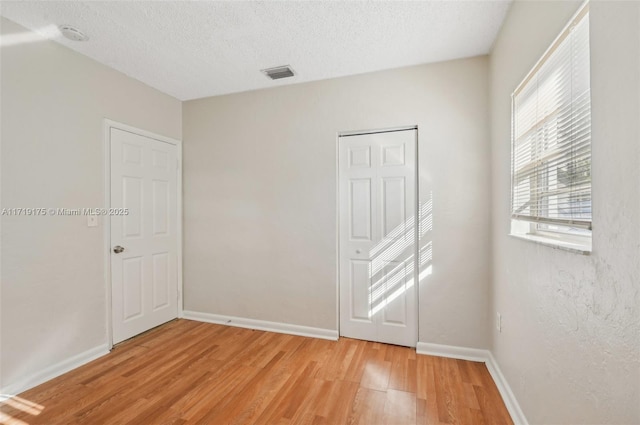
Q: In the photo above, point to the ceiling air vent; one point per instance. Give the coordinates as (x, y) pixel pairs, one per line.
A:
(279, 72)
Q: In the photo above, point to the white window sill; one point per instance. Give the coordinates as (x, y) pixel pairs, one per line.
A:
(579, 248)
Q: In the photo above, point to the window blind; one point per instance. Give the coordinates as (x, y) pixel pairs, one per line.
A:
(551, 134)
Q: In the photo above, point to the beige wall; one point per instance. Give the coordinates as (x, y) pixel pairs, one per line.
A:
(53, 104)
(260, 195)
(570, 340)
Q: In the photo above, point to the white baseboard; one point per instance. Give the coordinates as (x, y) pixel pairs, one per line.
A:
(517, 415)
(262, 325)
(452, 351)
(479, 355)
(54, 371)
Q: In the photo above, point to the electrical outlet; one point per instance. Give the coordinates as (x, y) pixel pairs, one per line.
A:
(499, 322)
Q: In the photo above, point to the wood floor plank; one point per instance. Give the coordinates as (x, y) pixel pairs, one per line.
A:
(306, 412)
(425, 388)
(429, 389)
(342, 360)
(249, 399)
(358, 361)
(399, 407)
(471, 372)
(444, 397)
(368, 407)
(284, 405)
(403, 370)
(377, 369)
(187, 372)
(490, 412)
(338, 402)
(218, 391)
(471, 400)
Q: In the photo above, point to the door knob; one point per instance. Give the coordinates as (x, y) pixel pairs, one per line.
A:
(118, 249)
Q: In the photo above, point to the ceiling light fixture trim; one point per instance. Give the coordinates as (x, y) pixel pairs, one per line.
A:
(72, 33)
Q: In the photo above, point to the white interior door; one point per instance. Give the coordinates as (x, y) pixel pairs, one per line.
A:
(144, 242)
(377, 237)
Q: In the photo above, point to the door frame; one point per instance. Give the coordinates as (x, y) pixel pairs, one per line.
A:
(107, 126)
(416, 271)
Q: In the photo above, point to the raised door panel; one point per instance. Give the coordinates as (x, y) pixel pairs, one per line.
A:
(160, 159)
(161, 280)
(360, 157)
(160, 207)
(394, 311)
(360, 209)
(394, 218)
(132, 154)
(132, 195)
(393, 155)
(132, 288)
(360, 290)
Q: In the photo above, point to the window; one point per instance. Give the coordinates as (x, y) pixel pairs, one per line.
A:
(551, 144)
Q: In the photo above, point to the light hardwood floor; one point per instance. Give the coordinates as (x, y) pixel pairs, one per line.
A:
(191, 372)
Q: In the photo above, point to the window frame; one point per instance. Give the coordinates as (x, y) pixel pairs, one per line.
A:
(533, 228)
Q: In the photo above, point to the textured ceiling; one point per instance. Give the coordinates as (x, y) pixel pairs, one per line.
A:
(192, 49)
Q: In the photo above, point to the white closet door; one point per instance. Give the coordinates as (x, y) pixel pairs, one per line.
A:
(377, 237)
